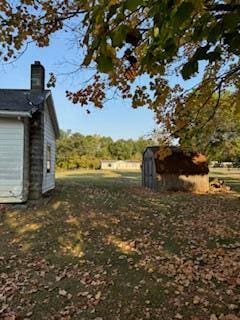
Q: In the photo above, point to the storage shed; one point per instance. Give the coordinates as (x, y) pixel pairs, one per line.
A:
(173, 169)
(28, 133)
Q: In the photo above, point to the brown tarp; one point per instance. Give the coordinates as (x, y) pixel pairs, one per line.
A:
(174, 160)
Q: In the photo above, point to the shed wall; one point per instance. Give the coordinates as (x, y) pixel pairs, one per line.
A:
(149, 170)
(193, 183)
(170, 182)
(49, 141)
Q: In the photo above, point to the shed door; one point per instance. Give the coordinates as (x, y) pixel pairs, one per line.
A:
(11, 160)
(148, 173)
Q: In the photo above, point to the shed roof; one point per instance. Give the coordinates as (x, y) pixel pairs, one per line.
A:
(174, 160)
(21, 100)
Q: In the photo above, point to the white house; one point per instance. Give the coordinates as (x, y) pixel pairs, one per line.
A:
(28, 133)
(120, 165)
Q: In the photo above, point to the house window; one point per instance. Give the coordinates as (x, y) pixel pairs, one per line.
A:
(109, 165)
(48, 159)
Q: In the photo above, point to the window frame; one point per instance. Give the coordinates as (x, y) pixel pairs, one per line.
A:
(49, 159)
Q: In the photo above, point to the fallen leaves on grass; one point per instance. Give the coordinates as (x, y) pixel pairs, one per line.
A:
(120, 252)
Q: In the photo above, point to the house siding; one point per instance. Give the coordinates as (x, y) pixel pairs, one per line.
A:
(26, 161)
(49, 140)
(11, 160)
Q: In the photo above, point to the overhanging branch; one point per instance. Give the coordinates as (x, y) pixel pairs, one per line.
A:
(224, 7)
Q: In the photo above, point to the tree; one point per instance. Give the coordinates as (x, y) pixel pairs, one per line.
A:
(139, 146)
(121, 150)
(75, 150)
(128, 39)
(217, 136)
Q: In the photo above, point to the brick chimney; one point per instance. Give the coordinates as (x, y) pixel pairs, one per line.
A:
(37, 77)
(36, 127)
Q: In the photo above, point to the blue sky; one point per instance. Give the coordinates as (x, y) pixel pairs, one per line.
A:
(117, 119)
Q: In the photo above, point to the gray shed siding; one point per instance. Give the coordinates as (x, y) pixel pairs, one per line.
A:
(49, 141)
(149, 170)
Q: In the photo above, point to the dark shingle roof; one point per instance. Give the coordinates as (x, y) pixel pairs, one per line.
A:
(20, 99)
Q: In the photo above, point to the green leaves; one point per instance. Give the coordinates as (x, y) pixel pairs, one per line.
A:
(189, 69)
(233, 41)
(104, 64)
(170, 47)
(105, 58)
(201, 53)
(133, 4)
(161, 36)
(215, 31)
(215, 55)
(184, 11)
(118, 36)
(231, 21)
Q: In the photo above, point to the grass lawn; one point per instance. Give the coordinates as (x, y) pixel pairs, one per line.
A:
(103, 248)
(230, 176)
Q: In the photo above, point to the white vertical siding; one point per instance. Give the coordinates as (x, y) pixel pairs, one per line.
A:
(49, 140)
(11, 160)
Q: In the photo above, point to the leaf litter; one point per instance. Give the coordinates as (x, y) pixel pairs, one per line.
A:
(143, 255)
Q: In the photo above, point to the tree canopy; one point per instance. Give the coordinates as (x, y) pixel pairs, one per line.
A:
(124, 40)
(218, 136)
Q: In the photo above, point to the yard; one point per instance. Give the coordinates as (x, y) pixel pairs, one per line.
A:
(103, 248)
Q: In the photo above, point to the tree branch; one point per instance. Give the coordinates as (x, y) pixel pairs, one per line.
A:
(224, 7)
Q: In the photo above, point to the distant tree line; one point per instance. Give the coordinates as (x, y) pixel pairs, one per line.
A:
(75, 150)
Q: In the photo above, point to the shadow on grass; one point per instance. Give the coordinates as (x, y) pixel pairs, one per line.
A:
(105, 176)
(231, 178)
(233, 183)
(113, 249)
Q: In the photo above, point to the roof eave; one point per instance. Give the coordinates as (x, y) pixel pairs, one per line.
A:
(14, 114)
(53, 114)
